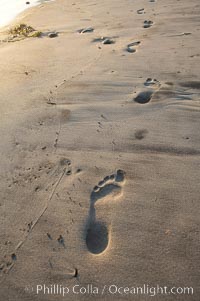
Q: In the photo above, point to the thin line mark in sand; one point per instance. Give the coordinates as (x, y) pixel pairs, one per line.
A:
(80, 72)
(97, 232)
(180, 34)
(35, 222)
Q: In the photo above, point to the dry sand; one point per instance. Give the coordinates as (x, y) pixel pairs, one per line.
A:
(99, 166)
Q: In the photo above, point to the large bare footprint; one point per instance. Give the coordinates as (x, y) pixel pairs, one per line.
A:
(97, 233)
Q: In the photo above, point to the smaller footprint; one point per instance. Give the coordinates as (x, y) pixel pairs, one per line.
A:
(152, 85)
(141, 11)
(97, 232)
(132, 46)
(108, 41)
(104, 40)
(86, 30)
(147, 23)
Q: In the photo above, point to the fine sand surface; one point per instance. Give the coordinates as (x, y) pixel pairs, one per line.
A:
(100, 149)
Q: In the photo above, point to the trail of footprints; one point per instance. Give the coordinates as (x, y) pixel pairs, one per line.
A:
(107, 40)
(111, 187)
(97, 232)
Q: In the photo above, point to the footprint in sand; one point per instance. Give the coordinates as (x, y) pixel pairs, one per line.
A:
(147, 23)
(145, 96)
(132, 46)
(86, 30)
(140, 11)
(104, 40)
(97, 233)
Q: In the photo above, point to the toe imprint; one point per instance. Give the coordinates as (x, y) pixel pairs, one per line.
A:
(150, 82)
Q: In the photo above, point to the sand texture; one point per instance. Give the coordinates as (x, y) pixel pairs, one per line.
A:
(100, 149)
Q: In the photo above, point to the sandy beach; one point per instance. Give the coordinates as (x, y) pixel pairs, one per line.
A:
(100, 152)
(12, 8)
